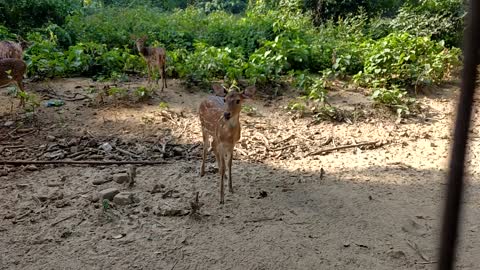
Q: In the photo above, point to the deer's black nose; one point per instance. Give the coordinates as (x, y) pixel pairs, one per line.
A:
(227, 115)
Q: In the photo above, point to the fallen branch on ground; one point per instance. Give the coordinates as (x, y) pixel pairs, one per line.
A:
(328, 150)
(63, 219)
(82, 162)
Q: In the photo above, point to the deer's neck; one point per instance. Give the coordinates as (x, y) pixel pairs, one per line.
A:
(233, 122)
(142, 49)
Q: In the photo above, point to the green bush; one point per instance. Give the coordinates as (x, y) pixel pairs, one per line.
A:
(394, 98)
(45, 59)
(207, 63)
(175, 30)
(405, 60)
(24, 15)
(5, 34)
(440, 20)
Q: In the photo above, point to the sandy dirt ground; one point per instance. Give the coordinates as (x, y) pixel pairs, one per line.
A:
(369, 207)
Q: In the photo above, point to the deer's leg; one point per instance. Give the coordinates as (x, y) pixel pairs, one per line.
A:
(222, 176)
(149, 70)
(159, 73)
(206, 143)
(164, 76)
(229, 157)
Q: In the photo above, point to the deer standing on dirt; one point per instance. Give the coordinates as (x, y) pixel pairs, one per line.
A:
(10, 49)
(156, 57)
(11, 72)
(220, 119)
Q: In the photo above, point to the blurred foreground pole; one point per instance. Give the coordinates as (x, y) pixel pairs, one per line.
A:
(451, 215)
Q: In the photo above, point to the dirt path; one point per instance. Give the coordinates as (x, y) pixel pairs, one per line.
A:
(371, 208)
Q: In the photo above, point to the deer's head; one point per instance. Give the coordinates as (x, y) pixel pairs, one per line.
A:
(139, 41)
(233, 99)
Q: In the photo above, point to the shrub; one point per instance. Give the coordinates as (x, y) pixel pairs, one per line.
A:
(440, 20)
(24, 15)
(208, 63)
(394, 98)
(405, 60)
(45, 59)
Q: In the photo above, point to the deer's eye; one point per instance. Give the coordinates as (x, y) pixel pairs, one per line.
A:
(238, 101)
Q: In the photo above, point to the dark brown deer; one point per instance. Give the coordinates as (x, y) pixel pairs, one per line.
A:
(220, 119)
(12, 71)
(156, 57)
(10, 49)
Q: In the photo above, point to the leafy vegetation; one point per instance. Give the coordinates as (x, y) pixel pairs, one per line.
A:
(391, 47)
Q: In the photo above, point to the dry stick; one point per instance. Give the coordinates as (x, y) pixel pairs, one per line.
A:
(10, 133)
(285, 140)
(415, 247)
(283, 148)
(12, 146)
(265, 140)
(63, 219)
(340, 147)
(80, 162)
(128, 153)
(23, 135)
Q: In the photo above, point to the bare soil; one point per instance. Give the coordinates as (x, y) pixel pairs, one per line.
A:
(372, 207)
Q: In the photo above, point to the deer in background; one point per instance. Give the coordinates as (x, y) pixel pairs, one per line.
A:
(220, 119)
(156, 57)
(10, 49)
(11, 72)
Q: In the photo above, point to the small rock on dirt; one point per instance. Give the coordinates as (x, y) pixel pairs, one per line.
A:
(100, 181)
(172, 212)
(31, 168)
(62, 203)
(106, 147)
(177, 151)
(396, 254)
(414, 228)
(54, 184)
(73, 142)
(95, 197)
(8, 123)
(50, 138)
(56, 195)
(9, 215)
(157, 188)
(124, 198)
(121, 178)
(108, 193)
(55, 155)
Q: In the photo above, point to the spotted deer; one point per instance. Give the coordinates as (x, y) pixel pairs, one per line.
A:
(220, 119)
(156, 57)
(10, 49)
(12, 71)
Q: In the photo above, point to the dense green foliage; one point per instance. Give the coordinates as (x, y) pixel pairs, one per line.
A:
(389, 46)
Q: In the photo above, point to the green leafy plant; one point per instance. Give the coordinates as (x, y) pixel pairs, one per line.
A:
(297, 106)
(249, 109)
(207, 63)
(405, 60)
(143, 93)
(163, 105)
(395, 98)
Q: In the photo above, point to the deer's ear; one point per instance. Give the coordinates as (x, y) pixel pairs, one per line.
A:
(219, 90)
(249, 92)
